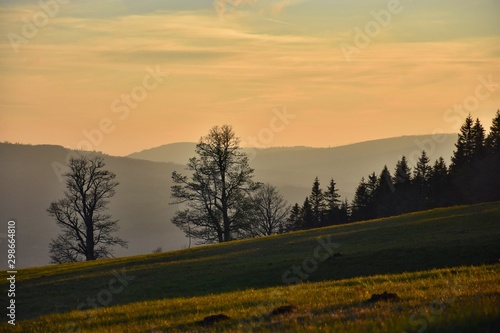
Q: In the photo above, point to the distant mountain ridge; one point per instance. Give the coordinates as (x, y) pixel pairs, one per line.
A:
(29, 185)
(178, 153)
(294, 168)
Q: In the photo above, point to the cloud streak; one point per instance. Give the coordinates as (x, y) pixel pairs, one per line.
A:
(225, 7)
(237, 71)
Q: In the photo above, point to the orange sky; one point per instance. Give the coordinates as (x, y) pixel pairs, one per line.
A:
(282, 72)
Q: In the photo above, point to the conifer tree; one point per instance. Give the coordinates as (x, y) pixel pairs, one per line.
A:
(478, 140)
(464, 147)
(332, 204)
(493, 139)
(316, 200)
(384, 194)
(295, 221)
(308, 218)
(490, 179)
(468, 164)
(361, 202)
(402, 174)
(439, 184)
(421, 177)
(344, 212)
(371, 186)
(403, 200)
(423, 170)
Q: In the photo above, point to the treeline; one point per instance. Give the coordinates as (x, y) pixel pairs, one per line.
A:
(472, 177)
(221, 201)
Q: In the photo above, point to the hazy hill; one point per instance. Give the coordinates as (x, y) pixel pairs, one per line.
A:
(293, 169)
(29, 184)
(178, 153)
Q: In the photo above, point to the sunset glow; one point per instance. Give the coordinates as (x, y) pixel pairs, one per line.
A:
(123, 76)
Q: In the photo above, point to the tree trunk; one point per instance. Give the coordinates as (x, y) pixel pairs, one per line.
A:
(227, 230)
(224, 204)
(90, 255)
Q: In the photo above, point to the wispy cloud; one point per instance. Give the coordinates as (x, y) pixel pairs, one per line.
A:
(266, 54)
(263, 7)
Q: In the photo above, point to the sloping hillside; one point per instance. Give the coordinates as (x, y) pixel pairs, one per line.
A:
(438, 238)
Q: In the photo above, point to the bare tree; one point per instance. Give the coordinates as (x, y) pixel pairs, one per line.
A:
(218, 191)
(271, 211)
(86, 228)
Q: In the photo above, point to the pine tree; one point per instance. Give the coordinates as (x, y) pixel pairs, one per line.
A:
(332, 204)
(403, 200)
(464, 147)
(344, 212)
(422, 170)
(490, 181)
(478, 140)
(295, 221)
(316, 200)
(383, 198)
(421, 176)
(493, 139)
(361, 202)
(439, 184)
(468, 167)
(308, 216)
(371, 185)
(402, 174)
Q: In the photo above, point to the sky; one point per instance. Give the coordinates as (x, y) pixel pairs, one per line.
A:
(120, 76)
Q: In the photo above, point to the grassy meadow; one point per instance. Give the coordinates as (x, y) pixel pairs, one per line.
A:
(443, 265)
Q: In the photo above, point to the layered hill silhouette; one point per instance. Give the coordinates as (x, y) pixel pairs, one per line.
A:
(293, 169)
(30, 184)
(30, 179)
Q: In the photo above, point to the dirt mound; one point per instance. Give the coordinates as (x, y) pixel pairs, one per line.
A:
(286, 309)
(211, 320)
(383, 297)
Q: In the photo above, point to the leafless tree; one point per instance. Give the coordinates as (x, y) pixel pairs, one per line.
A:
(86, 228)
(217, 192)
(270, 211)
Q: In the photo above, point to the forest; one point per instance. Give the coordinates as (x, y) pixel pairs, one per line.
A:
(472, 177)
(218, 200)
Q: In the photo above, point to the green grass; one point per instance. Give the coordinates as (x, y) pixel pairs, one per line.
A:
(465, 299)
(244, 279)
